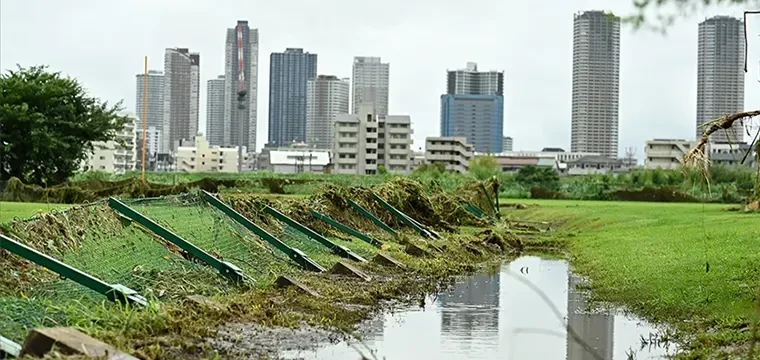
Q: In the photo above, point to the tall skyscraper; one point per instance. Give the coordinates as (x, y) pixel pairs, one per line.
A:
(473, 107)
(181, 96)
(215, 111)
(289, 72)
(720, 75)
(596, 82)
(155, 109)
(371, 79)
(249, 42)
(326, 97)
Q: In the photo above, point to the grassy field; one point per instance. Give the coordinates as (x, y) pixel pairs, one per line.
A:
(692, 265)
(12, 210)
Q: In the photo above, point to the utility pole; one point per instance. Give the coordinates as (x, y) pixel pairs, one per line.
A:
(241, 95)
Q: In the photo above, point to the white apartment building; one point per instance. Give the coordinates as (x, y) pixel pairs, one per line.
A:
(326, 97)
(363, 141)
(666, 153)
(115, 156)
(371, 78)
(454, 152)
(198, 156)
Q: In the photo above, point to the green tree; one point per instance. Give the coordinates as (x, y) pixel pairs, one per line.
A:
(484, 167)
(382, 170)
(48, 123)
(543, 177)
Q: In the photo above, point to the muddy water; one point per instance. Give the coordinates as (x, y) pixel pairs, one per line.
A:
(496, 316)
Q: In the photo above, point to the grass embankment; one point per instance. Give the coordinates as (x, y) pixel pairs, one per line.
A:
(653, 258)
(14, 210)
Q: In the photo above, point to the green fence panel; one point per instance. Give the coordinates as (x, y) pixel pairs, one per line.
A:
(297, 255)
(335, 248)
(193, 218)
(346, 229)
(225, 268)
(114, 292)
(373, 218)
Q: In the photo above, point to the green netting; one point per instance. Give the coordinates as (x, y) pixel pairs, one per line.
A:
(95, 240)
(318, 252)
(208, 228)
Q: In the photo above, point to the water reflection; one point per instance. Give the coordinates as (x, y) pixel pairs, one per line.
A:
(496, 316)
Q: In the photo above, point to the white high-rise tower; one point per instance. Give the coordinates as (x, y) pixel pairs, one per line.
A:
(720, 75)
(596, 83)
(370, 84)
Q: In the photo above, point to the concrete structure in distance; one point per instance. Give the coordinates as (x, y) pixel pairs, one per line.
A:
(508, 144)
(231, 126)
(289, 73)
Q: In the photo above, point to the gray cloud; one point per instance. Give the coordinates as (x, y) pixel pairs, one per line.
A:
(103, 43)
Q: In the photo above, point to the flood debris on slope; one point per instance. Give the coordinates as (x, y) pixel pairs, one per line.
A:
(88, 236)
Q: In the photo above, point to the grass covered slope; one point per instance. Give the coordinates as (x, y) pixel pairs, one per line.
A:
(14, 210)
(653, 258)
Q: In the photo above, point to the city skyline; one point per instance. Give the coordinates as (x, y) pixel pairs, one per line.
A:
(658, 73)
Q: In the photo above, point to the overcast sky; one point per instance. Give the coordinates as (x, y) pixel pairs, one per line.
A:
(103, 43)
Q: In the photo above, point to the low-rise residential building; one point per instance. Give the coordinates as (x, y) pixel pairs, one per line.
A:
(452, 151)
(118, 155)
(198, 156)
(363, 141)
(666, 153)
(589, 165)
(731, 154)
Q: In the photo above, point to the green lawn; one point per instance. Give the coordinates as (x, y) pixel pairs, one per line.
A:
(12, 210)
(652, 258)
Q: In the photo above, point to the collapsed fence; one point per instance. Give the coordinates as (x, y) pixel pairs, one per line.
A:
(164, 248)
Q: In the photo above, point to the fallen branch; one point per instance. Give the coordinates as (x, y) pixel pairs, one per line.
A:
(696, 156)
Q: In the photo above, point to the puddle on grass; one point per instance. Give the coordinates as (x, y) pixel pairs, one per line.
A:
(496, 316)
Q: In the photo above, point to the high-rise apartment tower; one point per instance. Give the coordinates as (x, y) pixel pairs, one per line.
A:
(215, 111)
(596, 83)
(326, 97)
(371, 79)
(289, 73)
(720, 75)
(181, 97)
(154, 112)
(473, 107)
(249, 42)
